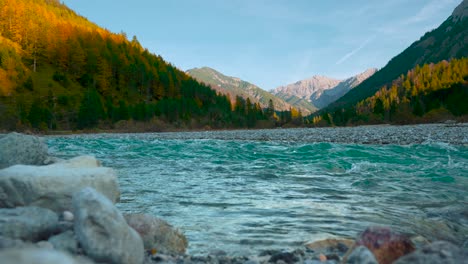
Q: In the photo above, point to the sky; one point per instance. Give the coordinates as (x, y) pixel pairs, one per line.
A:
(271, 42)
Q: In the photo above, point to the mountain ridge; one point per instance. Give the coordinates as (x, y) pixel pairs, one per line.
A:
(235, 86)
(320, 90)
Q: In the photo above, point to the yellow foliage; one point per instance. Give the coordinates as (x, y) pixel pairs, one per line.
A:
(6, 85)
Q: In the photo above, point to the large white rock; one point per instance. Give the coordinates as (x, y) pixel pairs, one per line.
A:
(103, 232)
(27, 223)
(39, 256)
(17, 148)
(52, 186)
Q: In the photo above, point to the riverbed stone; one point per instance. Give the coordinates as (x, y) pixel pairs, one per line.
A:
(65, 241)
(361, 255)
(39, 256)
(52, 186)
(102, 231)
(157, 234)
(436, 252)
(18, 148)
(27, 223)
(335, 245)
(385, 244)
(7, 242)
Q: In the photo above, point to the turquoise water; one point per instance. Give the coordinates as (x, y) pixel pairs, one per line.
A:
(244, 196)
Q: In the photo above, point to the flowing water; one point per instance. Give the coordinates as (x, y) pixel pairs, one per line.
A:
(244, 196)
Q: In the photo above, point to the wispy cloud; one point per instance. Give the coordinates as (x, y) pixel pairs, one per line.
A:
(428, 11)
(356, 50)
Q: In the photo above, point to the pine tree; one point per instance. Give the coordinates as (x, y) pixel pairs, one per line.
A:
(91, 110)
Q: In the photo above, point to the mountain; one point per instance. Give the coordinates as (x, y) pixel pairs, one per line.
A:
(319, 91)
(237, 87)
(428, 93)
(59, 71)
(447, 41)
(333, 94)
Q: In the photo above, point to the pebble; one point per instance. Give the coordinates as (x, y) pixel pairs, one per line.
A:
(68, 216)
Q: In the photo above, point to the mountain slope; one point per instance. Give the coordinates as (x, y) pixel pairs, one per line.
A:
(429, 93)
(331, 95)
(237, 87)
(448, 41)
(319, 91)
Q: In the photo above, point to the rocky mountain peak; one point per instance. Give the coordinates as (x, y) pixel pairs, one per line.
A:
(356, 80)
(461, 12)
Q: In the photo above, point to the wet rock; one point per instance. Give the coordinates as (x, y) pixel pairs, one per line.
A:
(18, 148)
(103, 232)
(52, 186)
(286, 257)
(44, 244)
(6, 242)
(361, 255)
(437, 252)
(330, 245)
(64, 226)
(385, 244)
(65, 242)
(39, 256)
(27, 223)
(157, 234)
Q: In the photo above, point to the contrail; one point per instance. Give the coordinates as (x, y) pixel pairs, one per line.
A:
(351, 53)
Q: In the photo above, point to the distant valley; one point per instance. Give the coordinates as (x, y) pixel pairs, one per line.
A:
(307, 95)
(234, 86)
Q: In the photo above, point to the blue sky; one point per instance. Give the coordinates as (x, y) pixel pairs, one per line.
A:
(271, 42)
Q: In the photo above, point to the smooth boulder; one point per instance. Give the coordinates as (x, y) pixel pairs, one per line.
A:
(6, 242)
(65, 241)
(27, 223)
(340, 245)
(361, 255)
(437, 252)
(39, 256)
(52, 186)
(157, 234)
(103, 232)
(18, 148)
(385, 244)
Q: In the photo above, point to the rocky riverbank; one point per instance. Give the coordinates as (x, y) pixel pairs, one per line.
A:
(63, 211)
(450, 133)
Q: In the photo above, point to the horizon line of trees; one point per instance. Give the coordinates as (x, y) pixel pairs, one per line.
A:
(430, 92)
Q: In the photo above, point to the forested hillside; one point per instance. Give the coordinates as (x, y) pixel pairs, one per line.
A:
(447, 41)
(60, 71)
(432, 92)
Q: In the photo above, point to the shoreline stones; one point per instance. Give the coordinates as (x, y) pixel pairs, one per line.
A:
(102, 230)
(385, 244)
(157, 234)
(18, 148)
(39, 256)
(27, 223)
(52, 186)
(437, 252)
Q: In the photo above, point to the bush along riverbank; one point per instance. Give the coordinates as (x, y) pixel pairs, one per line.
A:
(63, 211)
